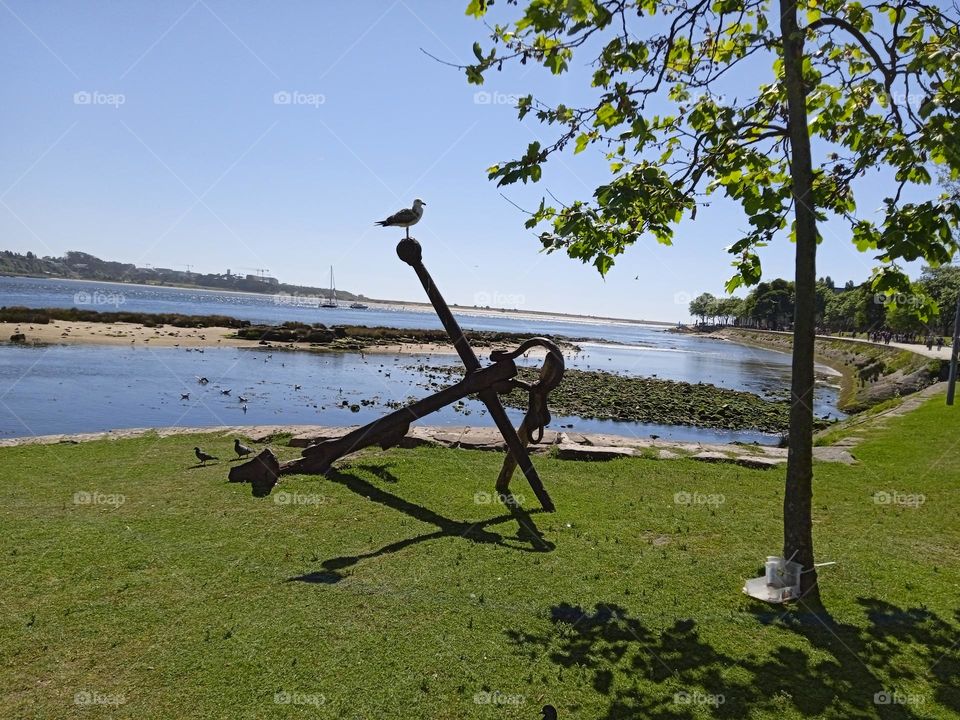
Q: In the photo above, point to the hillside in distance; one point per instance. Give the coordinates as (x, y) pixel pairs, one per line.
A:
(76, 265)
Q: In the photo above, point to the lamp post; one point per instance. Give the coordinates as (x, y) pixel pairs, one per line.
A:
(954, 355)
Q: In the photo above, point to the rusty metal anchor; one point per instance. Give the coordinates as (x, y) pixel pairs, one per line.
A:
(487, 383)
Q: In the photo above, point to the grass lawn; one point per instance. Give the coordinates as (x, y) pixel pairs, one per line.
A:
(392, 590)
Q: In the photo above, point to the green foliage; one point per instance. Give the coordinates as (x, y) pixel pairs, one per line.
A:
(673, 140)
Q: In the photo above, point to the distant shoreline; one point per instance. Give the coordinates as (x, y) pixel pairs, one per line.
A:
(413, 305)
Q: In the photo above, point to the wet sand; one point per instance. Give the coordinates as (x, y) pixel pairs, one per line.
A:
(63, 332)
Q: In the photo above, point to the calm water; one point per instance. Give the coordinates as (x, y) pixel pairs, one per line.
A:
(61, 389)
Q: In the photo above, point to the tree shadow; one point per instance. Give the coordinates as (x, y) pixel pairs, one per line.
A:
(528, 537)
(836, 669)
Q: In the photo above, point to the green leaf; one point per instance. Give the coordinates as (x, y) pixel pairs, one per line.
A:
(477, 8)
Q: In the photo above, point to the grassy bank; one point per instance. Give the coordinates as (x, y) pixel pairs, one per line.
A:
(396, 590)
(871, 374)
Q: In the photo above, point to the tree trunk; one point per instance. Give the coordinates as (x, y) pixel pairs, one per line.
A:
(798, 493)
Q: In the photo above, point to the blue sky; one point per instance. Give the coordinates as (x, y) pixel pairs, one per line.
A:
(156, 133)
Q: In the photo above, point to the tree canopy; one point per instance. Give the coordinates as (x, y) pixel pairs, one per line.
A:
(882, 90)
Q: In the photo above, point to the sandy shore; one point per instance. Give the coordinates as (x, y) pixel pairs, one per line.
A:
(79, 333)
(62, 332)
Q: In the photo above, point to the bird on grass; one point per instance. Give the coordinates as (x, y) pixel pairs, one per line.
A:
(241, 449)
(405, 218)
(549, 712)
(202, 456)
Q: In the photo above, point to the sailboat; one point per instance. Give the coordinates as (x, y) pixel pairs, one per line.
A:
(331, 302)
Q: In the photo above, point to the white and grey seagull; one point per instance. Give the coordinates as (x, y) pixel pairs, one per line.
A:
(405, 218)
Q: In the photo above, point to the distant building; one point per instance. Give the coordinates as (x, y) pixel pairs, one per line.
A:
(265, 279)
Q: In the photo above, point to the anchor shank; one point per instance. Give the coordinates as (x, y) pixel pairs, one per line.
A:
(409, 252)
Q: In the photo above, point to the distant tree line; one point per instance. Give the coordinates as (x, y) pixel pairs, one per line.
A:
(851, 308)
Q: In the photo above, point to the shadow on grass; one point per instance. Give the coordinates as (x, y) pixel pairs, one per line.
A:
(828, 668)
(528, 537)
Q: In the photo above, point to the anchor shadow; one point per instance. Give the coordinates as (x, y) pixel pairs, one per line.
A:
(528, 537)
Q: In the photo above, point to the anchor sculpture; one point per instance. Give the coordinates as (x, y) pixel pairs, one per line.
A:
(487, 383)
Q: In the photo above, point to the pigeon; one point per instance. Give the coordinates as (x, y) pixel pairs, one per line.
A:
(241, 449)
(549, 712)
(406, 217)
(202, 456)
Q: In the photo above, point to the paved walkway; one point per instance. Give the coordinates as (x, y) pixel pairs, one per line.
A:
(918, 348)
(941, 354)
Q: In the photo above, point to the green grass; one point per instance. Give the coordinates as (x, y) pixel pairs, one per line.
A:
(397, 595)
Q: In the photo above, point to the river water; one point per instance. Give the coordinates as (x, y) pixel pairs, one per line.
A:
(65, 389)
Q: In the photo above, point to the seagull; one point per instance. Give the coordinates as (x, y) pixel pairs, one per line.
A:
(202, 456)
(406, 217)
(184, 396)
(202, 380)
(225, 392)
(241, 449)
(242, 399)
